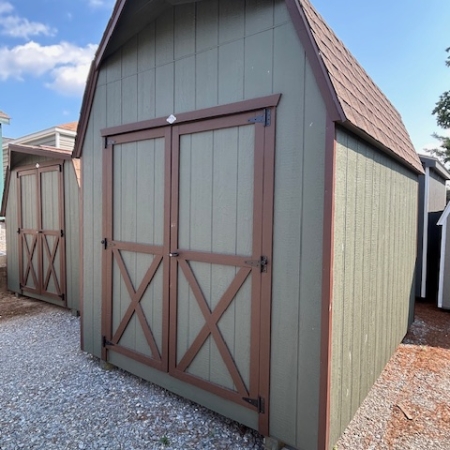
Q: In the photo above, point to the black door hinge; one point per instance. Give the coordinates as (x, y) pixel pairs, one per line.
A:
(258, 403)
(105, 243)
(265, 118)
(105, 342)
(62, 233)
(62, 297)
(18, 230)
(261, 263)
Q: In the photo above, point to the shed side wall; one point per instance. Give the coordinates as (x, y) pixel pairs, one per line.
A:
(72, 227)
(445, 268)
(437, 192)
(202, 55)
(375, 252)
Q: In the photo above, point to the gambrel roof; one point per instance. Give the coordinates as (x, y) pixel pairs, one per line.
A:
(352, 98)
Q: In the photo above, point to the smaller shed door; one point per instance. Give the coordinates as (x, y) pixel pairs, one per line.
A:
(40, 194)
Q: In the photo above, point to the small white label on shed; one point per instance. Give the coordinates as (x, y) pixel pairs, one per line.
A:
(171, 119)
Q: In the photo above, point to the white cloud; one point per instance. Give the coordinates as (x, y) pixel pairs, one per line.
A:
(66, 64)
(100, 3)
(19, 27)
(5, 7)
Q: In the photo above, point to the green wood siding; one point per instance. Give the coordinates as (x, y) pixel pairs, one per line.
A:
(437, 192)
(374, 261)
(202, 55)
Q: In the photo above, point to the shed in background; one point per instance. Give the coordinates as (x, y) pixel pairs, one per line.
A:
(443, 293)
(41, 207)
(432, 201)
(257, 224)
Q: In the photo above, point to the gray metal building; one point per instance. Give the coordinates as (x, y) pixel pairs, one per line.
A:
(41, 209)
(249, 203)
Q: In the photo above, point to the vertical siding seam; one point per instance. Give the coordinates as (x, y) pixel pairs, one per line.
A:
(344, 289)
(300, 243)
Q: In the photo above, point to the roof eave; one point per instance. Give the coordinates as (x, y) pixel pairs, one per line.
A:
(434, 163)
(371, 140)
(49, 152)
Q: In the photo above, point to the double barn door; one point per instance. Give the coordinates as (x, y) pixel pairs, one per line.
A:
(187, 253)
(40, 207)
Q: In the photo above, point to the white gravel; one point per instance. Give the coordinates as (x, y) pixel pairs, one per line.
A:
(54, 396)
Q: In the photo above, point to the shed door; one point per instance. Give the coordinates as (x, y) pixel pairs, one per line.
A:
(196, 197)
(218, 260)
(136, 240)
(41, 232)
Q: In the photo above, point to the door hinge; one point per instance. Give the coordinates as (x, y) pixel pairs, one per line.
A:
(261, 263)
(265, 118)
(62, 233)
(62, 297)
(18, 230)
(105, 243)
(106, 342)
(258, 403)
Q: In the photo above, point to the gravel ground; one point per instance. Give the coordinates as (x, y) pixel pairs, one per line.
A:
(54, 396)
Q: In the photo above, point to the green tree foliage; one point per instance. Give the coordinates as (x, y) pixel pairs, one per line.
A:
(442, 109)
(443, 152)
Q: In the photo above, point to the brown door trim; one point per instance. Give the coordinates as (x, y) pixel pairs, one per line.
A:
(198, 115)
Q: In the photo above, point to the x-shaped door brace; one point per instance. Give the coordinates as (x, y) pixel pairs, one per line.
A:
(211, 321)
(51, 261)
(135, 306)
(30, 253)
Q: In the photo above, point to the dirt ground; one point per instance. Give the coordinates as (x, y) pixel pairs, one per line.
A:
(408, 408)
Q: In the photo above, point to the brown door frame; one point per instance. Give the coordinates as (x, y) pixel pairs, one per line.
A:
(264, 140)
(40, 243)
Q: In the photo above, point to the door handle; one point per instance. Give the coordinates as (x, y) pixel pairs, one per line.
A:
(174, 254)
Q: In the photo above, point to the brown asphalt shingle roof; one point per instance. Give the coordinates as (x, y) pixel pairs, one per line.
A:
(71, 126)
(361, 100)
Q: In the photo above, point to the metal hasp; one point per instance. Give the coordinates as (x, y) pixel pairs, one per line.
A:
(258, 403)
(174, 254)
(261, 263)
(264, 118)
(105, 342)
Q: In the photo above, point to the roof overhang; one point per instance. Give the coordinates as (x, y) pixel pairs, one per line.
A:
(436, 165)
(38, 150)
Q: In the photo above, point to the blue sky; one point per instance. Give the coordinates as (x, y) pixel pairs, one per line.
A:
(46, 47)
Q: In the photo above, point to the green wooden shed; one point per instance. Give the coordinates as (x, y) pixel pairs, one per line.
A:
(249, 213)
(41, 208)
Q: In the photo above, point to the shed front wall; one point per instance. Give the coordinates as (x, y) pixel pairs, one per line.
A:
(71, 201)
(437, 192)
(202, 55)
(374, 261)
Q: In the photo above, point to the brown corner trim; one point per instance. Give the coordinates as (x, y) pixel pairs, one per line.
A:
(327, 288)
(200, 114)
(313, 55)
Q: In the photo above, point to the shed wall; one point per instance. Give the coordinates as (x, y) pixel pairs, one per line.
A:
(445, 289)
(437, 193)
(207, 54)
(71, 231)
(375, 252)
